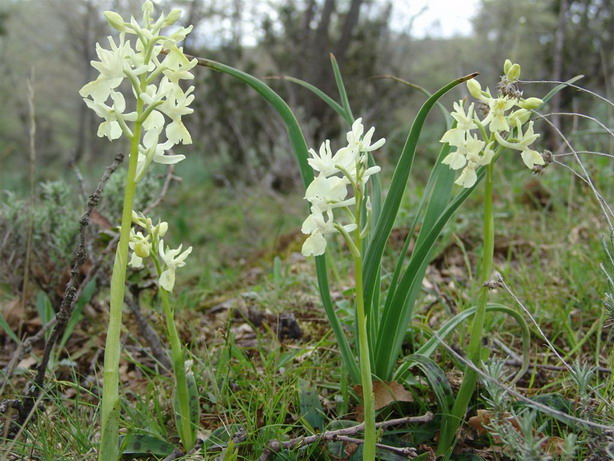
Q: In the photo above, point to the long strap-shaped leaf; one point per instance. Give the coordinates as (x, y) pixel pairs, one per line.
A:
(395, 319)
(299, 146)
(389, 211)
(451, 325)
(436, 197)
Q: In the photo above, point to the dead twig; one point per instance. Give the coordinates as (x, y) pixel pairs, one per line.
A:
(179, 454)
(274, 446)
(147, 331)
(68, 301)
(170, 176)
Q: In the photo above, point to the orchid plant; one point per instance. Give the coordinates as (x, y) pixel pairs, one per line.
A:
(153, 65)
(347, 169)
(500, 129)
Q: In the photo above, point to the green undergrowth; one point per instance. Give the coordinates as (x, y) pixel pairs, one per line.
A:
(264, 374)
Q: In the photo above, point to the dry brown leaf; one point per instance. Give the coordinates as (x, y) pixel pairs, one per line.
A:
(13, 313)
(384, 393)
(27, 363)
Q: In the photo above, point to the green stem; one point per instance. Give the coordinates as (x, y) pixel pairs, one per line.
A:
(363, 343)
(452, 422)
(186, 431)
(109, 443)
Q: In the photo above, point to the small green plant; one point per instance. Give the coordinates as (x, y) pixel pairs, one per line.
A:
(153, 68)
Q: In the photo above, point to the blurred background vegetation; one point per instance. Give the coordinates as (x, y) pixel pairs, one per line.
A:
(237, 137)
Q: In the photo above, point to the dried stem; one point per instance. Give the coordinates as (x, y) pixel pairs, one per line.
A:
(275, 446)
(68, 301)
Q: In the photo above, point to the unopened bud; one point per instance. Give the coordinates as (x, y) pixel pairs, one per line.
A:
(513, 72)
(522, 115)
(162, 228)
(531, 103)
(172, 17)
(147, 10)
(474, 88)
(115, 20)
(141, 249)
(507, 66)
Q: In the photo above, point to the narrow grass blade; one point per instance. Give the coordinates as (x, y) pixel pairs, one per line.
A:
(341, 87)
(7, 329)
(389, 211)
(558, 88)
(323, 96)
(436, 378)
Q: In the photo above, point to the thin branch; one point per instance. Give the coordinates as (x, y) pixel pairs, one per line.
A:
(274, 446)
(592, 93)
(588, 117)
(65, 310)
(590, 152)
(607, 211)
(409, 452)
(167, 182)
(532, 403)
(176, 454)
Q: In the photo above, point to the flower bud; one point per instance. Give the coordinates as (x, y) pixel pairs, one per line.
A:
(474, 88)
(507, 66)
(162, 229)
(172, 17)
(513, 72)
(522, 115)
(141, 249)
(531, 103)
(115, 20)
(147, 10)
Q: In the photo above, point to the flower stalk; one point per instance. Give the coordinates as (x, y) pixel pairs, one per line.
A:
(347, 168)
(139, 63)
(363, 349)
(452, 423)
(184, 422)
(109, 446)
(506, 131)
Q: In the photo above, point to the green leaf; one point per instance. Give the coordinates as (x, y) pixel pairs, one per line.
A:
(44, 309)
(437, 380)
(383, 226)
(137, 445)
(77, 313)
(452, 325)
(341, 87)
(7, 329)
(311, 408)
(323, 96)
(444, 111)
(558, 88)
